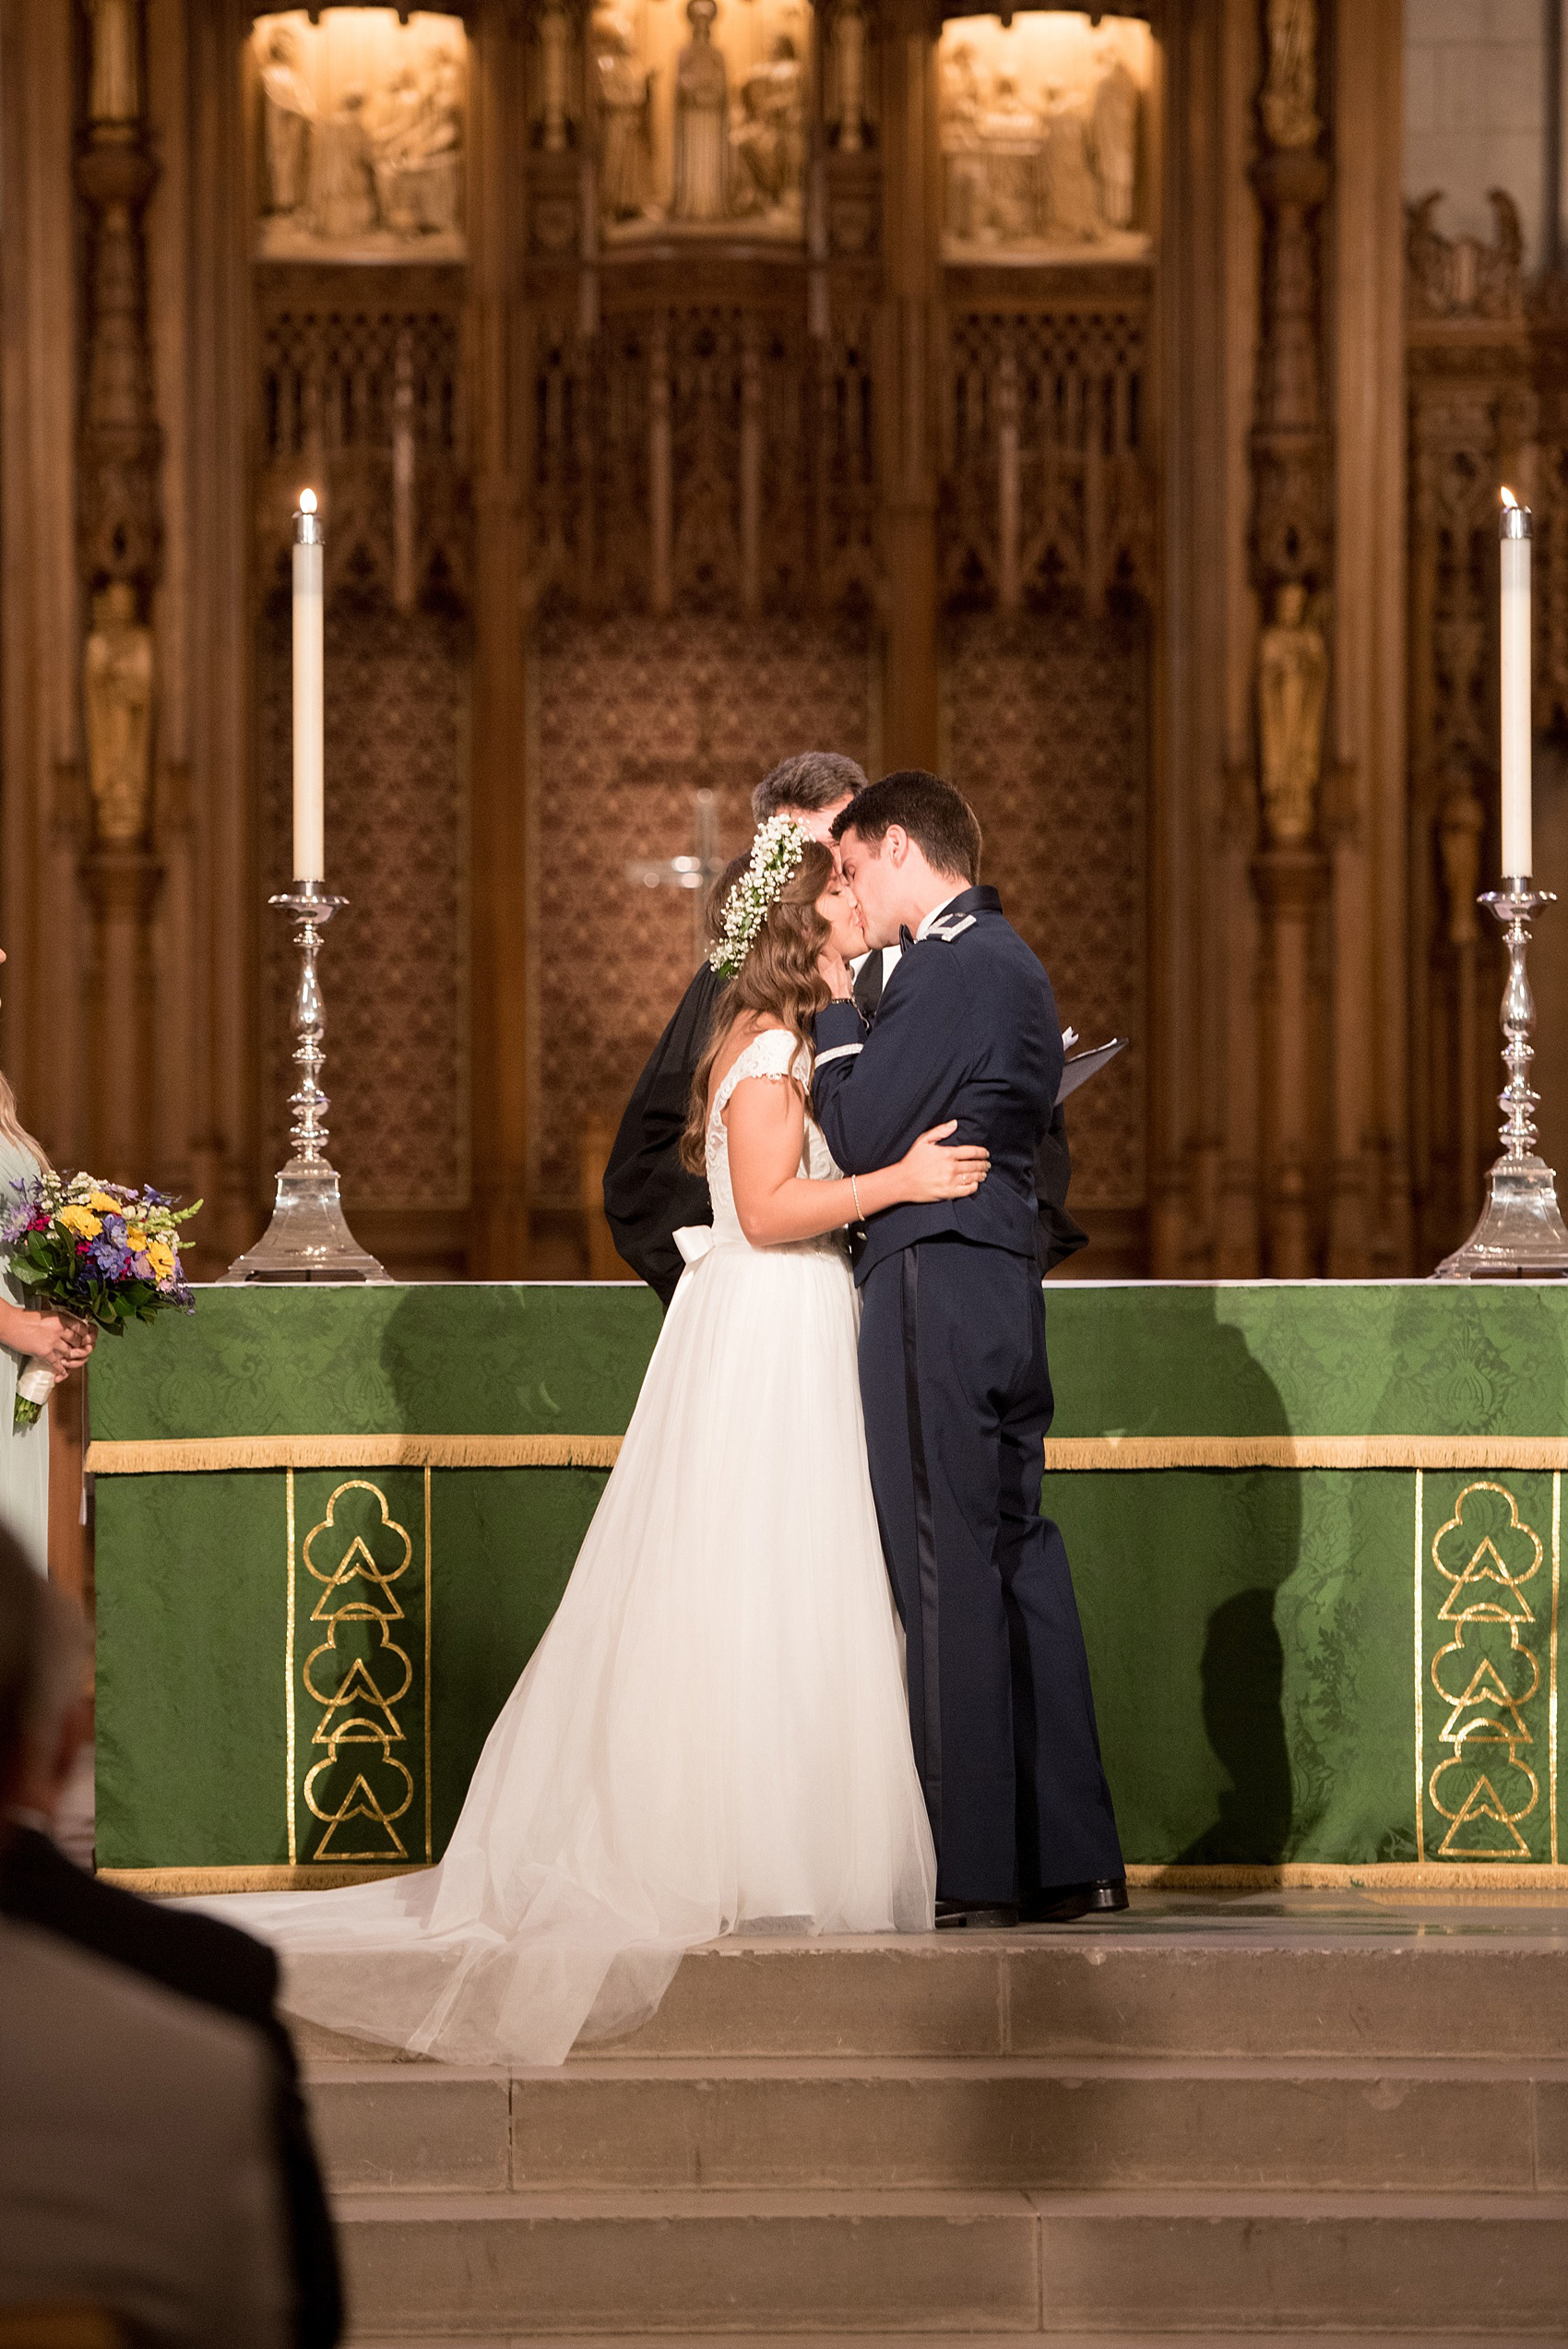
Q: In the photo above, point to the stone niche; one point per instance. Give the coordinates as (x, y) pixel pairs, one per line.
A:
(703, 113)
(362, 125)
(1044, 137)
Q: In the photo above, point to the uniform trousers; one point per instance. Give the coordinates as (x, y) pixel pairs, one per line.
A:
(957, 1401)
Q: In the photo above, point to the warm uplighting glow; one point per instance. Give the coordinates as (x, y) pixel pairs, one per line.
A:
(1509, 498)
(307, 500)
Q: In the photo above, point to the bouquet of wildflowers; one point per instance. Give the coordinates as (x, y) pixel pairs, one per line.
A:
(97, 1250)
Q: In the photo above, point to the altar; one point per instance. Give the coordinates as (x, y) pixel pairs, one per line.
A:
(1315, 1530)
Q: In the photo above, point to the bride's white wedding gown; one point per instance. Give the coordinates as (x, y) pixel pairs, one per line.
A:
(712, 1736)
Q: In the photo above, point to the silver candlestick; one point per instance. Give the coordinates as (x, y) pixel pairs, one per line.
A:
(1521, 1232)
(307, 1238)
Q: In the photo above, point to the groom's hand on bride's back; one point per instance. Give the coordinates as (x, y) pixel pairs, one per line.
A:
(934, 1168)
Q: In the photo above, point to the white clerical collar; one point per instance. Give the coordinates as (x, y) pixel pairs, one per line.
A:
(935, 912)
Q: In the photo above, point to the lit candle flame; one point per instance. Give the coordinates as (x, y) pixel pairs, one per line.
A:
(1508, 497)
(307, 500)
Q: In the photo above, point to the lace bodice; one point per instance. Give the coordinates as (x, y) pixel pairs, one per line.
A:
(778, 1054)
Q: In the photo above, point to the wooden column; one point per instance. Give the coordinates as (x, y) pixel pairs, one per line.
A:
(42, 802)
(498, 136)
(1292, 555)
(1364, 826)
(910, 384)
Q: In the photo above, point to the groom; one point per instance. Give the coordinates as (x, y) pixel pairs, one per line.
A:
(953, 1368)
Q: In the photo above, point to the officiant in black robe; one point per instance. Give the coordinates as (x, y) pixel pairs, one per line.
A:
(649, 1196)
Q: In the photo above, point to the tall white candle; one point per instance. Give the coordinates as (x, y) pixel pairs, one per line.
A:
(1514, 527)
(309, 757)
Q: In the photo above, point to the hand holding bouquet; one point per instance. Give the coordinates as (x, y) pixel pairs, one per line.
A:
(96, 1252)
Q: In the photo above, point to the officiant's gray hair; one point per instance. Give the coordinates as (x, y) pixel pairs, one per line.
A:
(812, 778)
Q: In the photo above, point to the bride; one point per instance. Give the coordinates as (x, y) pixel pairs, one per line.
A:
(712, 1735)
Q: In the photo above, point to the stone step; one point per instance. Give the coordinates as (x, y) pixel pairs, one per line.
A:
(936, 2340)
(940, 2125)
(1091, 1993)
(460, 2267)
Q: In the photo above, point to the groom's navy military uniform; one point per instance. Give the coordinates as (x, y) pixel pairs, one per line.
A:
(958, 1403)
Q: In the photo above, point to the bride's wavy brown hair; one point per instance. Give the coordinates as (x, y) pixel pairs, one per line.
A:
(779, 976)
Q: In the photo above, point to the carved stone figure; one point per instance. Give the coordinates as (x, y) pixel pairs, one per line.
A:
(290, 112)
(417, 141)
(626, 150)
(1292, 688)
(961, 101)
(1114, 125)
(849, 75)
(343, 187)
(117, 689)
(1072, 190)
(702, 109)
(1011, 139)
(114, 91)
(1289, 100)
(770, 143)
(1460, 276)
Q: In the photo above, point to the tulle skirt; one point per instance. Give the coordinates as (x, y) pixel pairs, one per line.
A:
(711, 1737)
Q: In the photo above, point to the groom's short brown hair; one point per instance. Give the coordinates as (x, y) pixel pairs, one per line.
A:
(811, 780)
(939, 820)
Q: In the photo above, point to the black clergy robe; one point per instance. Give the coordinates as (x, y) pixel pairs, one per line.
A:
(649, 1194)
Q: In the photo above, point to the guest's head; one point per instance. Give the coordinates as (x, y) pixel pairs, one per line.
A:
(908, 843)
(56, 1714)
(813, 786)
(19, 1620)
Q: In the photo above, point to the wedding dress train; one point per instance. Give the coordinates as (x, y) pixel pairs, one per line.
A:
(712, 1734)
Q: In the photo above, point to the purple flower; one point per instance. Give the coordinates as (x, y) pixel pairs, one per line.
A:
(141, 1265)
(110, 1258)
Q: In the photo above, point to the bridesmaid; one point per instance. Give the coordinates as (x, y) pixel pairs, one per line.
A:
(62, 1345)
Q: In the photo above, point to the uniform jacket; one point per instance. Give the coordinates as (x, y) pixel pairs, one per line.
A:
(967, 1029)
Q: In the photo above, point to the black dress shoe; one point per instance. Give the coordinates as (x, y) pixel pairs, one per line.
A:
(978, 1916)
(1062, 1902)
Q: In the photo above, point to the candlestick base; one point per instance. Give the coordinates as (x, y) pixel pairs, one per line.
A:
(1521, 1235)
(308, 1238)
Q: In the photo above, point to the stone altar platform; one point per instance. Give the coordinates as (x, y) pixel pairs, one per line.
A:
(1335, 2116)
(1315, 1530)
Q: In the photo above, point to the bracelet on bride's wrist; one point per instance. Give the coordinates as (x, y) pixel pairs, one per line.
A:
(854, 1194)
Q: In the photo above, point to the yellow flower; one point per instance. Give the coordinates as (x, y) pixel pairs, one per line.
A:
(102, 1204)
(135, 1238)
(80, 1220)
(160, 1256)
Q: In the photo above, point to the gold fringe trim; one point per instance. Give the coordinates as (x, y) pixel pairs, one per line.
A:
(1076, 1454)
(1502, 1877)
(198, 1883)
(1064, 1455)
(198, 1455)
(1501, 1880)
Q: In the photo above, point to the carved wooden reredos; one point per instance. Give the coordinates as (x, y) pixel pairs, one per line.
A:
(707, 445)
(686, 383)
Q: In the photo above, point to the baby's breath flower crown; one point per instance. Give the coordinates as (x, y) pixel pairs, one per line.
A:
(776, 852)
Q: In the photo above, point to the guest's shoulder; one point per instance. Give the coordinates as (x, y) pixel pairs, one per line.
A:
(196, 1955)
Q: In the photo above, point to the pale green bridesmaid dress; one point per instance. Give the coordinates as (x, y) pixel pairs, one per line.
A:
(24, 1459)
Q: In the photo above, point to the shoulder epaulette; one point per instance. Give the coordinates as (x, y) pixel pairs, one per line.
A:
(949, 926)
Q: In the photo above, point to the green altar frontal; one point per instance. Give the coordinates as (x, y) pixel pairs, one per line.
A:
(1315, 1532)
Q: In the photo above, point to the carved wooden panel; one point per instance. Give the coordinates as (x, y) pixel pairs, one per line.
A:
(635, 714)
(394, 967)
(1046, 488)
(701, 458)
(1048, 734)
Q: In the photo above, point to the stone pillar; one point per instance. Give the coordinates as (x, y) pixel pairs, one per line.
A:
(119, 454)
(1292, 568)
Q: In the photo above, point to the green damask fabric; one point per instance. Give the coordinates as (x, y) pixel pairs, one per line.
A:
(1253, 1635)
